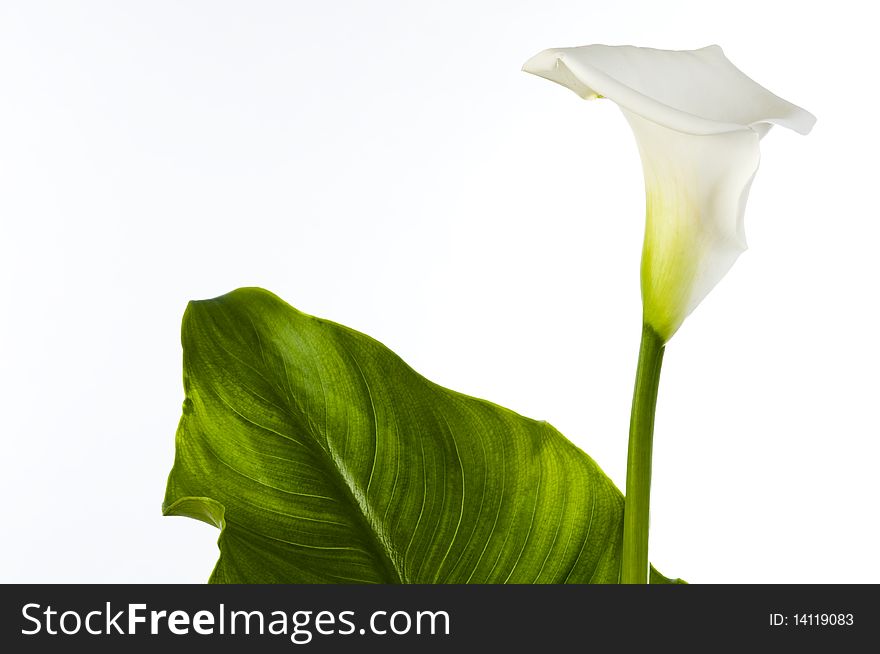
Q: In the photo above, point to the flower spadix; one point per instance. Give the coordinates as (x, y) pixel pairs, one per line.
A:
(698, 121)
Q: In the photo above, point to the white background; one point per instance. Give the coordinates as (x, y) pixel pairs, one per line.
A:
(387, 165)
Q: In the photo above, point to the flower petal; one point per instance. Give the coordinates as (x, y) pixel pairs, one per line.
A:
(693, 91)
(696, 188)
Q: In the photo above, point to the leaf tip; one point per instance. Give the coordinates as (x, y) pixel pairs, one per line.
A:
(206, 509)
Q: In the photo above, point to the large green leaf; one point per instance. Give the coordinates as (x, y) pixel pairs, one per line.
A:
(323, 457)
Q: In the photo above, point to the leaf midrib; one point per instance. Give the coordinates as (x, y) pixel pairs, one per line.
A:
(343, 482)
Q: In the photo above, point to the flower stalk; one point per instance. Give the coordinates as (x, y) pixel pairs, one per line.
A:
(634, 564)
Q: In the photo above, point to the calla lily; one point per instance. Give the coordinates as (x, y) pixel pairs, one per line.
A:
(698, 121)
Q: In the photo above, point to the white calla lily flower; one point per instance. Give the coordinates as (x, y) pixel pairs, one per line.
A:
(698, 121)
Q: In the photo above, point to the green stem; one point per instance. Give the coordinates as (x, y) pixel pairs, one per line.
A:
(634, 565)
